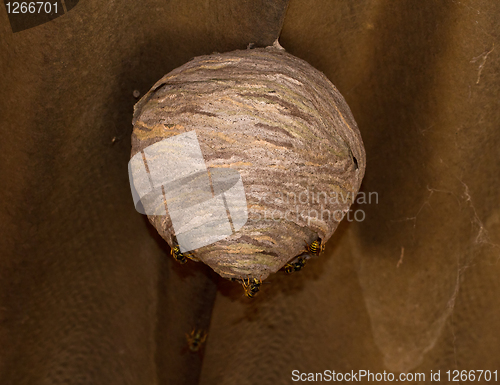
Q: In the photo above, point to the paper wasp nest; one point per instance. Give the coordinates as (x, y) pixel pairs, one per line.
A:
(249, 155)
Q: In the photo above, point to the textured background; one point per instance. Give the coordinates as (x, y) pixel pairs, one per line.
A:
(88, 293)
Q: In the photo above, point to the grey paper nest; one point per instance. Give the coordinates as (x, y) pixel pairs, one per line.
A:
(278, 124)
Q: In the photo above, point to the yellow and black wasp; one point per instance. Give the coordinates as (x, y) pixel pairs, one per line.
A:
(292, 267)
(251, 286)
(315, 248)
(178, 255)
(195, 339)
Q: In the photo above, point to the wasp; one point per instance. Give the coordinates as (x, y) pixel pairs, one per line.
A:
(315, 248)
(195, 339)
(178, 255)
(251, 286)
(292, 267)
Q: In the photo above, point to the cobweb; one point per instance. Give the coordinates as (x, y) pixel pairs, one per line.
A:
(412, 293)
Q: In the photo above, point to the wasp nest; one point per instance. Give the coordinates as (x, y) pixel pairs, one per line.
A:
(280, 153)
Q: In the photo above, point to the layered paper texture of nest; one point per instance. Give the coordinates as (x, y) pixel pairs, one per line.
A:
(281, 125)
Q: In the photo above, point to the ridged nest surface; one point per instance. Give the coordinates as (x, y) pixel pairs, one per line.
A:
(284, 127)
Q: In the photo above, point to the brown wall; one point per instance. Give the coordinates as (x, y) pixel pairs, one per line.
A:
(88, 293)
